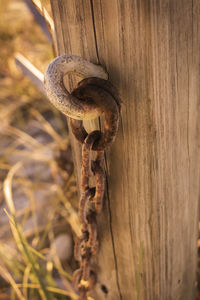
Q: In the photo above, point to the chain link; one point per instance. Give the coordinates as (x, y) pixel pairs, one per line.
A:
(91, 200)
(90, 206)
(92, 97)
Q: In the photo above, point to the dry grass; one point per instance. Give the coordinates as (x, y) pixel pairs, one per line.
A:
(37, 188)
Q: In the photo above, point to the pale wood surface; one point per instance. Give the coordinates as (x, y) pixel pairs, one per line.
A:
(148, 229)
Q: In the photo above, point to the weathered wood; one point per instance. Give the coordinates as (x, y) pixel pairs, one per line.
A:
(148, 230)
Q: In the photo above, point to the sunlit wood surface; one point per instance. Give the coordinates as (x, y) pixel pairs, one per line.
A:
(148, 229)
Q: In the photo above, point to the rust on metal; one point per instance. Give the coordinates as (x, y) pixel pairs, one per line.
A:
(91, 90)
(60, 97)
(104, 95)
(92, 97)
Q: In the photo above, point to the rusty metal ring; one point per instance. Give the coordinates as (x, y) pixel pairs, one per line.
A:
(59, 95)
(100, 183)
(105, 85)
(92, 88)
(77, 274)
(91, 194)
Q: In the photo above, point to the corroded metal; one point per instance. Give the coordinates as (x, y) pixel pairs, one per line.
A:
(90, 205)
(93, 96)
(60, 97)
(97, 91)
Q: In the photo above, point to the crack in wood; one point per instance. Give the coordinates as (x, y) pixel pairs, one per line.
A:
(106, 168)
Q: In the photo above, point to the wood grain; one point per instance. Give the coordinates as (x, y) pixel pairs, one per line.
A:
(148, 230)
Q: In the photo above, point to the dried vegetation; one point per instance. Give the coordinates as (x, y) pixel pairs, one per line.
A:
(37, 189)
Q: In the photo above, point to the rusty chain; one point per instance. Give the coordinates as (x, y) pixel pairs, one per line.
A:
(91, 202)
(90, 205)
(100, 95)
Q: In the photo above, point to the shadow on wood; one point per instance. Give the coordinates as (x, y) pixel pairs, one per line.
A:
(148, 229)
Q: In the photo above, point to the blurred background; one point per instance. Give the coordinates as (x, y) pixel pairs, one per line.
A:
(38, 198)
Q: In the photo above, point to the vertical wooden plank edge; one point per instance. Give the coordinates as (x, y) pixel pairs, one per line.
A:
(106, 164)
(105, 220)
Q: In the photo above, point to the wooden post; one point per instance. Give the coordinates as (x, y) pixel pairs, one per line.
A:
(148, 228)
